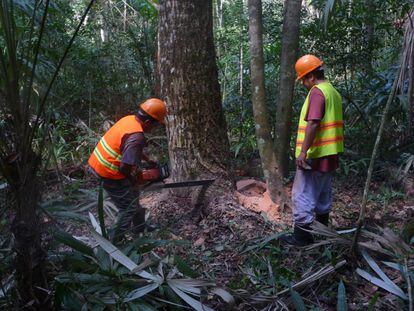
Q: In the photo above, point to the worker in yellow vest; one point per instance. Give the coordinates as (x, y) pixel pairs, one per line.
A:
(319, 141)
(116, 158)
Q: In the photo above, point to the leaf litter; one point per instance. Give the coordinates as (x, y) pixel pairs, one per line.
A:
(228, 233)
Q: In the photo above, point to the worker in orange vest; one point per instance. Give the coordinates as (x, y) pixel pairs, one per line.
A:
(117, 157)
(319, 142)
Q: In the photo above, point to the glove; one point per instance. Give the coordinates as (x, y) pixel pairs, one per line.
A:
(151, 174)
(140, 178)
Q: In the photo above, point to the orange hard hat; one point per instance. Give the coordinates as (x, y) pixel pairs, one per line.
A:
(156, 108)
(306, 64)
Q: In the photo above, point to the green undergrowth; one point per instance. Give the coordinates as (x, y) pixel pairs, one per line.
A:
(86, 274)
(271, 267)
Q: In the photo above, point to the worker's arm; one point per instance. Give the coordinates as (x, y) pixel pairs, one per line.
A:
(310, 133)
(132, 151)
(314, 115)
(128, 170)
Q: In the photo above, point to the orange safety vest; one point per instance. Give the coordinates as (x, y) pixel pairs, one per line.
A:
(106, 158)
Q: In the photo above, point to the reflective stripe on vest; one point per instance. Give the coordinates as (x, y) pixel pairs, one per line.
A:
(109, 150)
(106, 158)
(329, 138)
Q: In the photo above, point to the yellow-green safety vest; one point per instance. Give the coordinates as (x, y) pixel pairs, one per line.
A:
(329, 138)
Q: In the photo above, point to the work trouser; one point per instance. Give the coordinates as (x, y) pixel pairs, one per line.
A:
(126, 199)
(311, 193)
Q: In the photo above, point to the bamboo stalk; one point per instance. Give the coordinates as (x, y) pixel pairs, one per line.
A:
(371, 164)
(30, 85)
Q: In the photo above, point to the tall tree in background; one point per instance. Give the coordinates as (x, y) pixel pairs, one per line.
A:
(407, 72)
(241, 69)
(260, 111)
(198, 143)
(369, 35)
(290, 45)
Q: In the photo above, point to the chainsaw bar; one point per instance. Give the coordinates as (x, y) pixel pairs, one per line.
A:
(180, 184)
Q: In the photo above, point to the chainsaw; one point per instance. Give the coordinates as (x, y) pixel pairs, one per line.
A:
(153, 173)
(151, 178)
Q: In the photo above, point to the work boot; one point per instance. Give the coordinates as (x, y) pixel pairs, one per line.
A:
(151, 227)
(144, 227)
(300, 237)
(323, 219)
(138, 221)
(139, 224)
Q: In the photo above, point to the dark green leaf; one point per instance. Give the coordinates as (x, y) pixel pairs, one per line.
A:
(67, 239)
(373, 301)
(297, 301)
(184, 267)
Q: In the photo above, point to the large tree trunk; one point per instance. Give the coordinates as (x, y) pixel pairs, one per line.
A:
(290, 45)
(198, 143)
(369, 35)
(263, 129)
(241, 93)
(410, 97)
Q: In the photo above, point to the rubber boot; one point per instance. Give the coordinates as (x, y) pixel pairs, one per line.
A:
(116, 234)
(139, 224)
(323, 218)
(300, 237)
(138, 221)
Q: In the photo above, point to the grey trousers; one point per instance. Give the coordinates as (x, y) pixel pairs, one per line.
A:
(311, 193)
(126, 199)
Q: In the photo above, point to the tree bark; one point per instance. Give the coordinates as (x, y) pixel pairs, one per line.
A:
(198, 143)
(410, 97)
(241, 93)
(369, 35)
(262, 125)
(157, 69)
(220, 13)
(290, 46)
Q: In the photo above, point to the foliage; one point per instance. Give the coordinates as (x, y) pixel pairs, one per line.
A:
(106, 276)
(109, 277)
(264, 281)
(357, 63)
(110, 68)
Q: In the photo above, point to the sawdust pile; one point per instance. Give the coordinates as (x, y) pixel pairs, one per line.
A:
(253, 195)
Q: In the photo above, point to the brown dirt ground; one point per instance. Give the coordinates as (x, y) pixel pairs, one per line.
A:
(224, 228)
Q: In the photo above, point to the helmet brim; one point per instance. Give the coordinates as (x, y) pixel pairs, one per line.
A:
(308, 71)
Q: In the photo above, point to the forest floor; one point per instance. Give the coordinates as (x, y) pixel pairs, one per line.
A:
(238, 248)
(228, 243)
